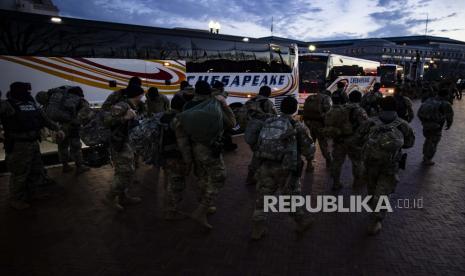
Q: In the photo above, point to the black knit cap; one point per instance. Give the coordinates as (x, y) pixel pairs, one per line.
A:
(218, 85)
(289, 105)
(265, 91)
(20, 91)
(203, 88)
(355, 96)
(177, 103)
(133, 91)
(135, 81)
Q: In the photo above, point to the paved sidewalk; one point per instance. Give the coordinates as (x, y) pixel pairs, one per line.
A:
(73, 233)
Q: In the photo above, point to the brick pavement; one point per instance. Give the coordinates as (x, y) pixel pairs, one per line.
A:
(73, 233)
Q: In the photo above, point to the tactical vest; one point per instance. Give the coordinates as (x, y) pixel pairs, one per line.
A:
(26, 119)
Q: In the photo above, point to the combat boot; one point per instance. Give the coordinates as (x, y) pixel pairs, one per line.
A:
(258, 230)
(303, 224)
(211, 210)
(81, 169)
(19, 204)
(374, 228)
(428, 162)
(114, 201)
(66, 168)
(130, 200)
(200, 216)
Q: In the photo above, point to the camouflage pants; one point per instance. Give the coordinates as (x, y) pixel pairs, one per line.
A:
(253, 165)
(432, 138)
(123, 163)
(210, 171)
(70, 147)
(271, 176)
(381, 182)
(340, 151)
(175, 170)
(27, 170)
(316, 131)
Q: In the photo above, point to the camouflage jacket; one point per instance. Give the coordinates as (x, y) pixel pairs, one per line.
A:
(161, 103)
(115, 120)
(7, 111)
(268, 106)
(370, 102)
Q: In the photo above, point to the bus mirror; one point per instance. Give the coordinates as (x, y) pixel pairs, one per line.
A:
(112, 83)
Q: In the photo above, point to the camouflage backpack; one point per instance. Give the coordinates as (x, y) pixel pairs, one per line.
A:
(252, 131)
(384, 141)
(338, 121)
(61, 106)
(147, 139)
(370, 102)
(93, 131)
(430, 112)
(203, 122)
(313, 107)
(276, 138)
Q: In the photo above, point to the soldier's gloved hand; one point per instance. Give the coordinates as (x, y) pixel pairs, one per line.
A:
(130, 114)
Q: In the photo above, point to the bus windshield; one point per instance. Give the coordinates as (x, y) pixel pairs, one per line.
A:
(312, 71)
(387, 75)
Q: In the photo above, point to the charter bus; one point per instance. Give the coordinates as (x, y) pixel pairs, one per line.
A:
(320, 71)
(101, 57)
(390, 75)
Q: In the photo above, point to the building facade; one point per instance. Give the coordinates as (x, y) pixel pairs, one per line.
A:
(426, 57)
(45, 7)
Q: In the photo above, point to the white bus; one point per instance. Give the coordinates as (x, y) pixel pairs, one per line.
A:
(390, 75)
(101, 57)
(320, 71)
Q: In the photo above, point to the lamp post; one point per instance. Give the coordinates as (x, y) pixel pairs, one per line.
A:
(214, 26)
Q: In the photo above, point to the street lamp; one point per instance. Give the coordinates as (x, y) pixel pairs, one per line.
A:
(214, 26)
(312, 48)
(211, 26)
(55, 19)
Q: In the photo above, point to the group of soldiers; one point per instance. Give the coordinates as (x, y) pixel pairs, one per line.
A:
(184, 150)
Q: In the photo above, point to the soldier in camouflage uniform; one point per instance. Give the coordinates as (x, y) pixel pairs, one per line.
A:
(283, 174)
(22, 121)
(156, 102)
(404, 105)
(433, 123)
(349, 145)
(70, 146)
(370, 101)
(207, 159)
(313, 116)
(259, 108)
(383, 174)
(175, 168)
(120, 120)
(218, 89)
